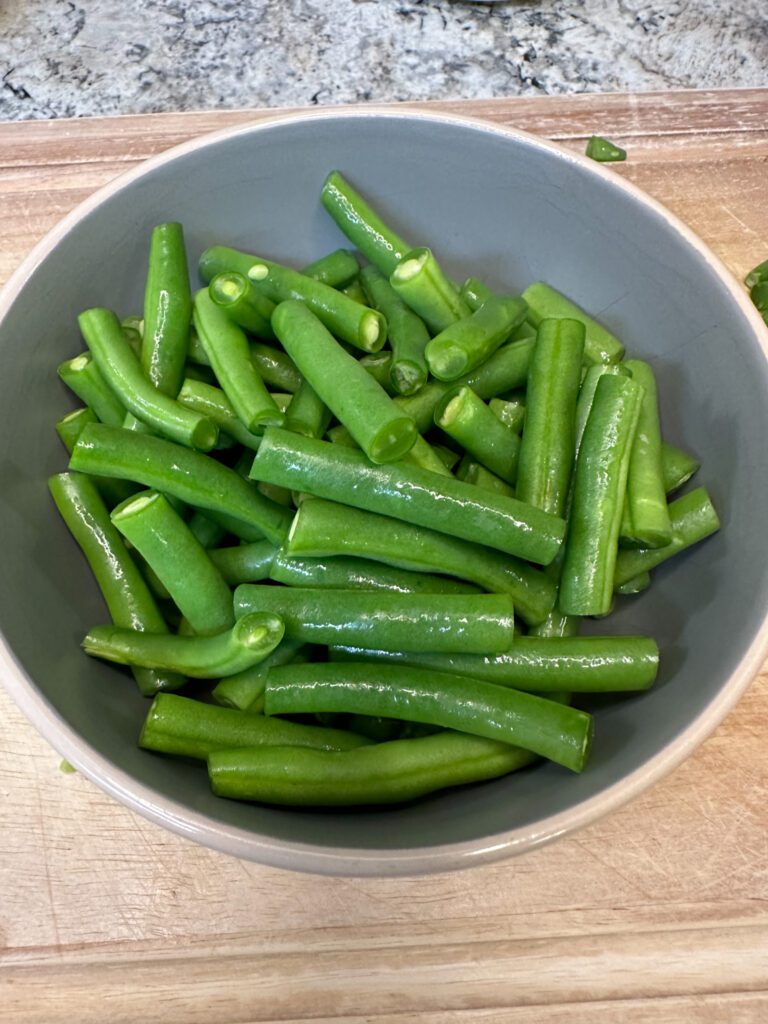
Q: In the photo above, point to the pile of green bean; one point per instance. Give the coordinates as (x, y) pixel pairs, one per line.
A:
(370, 509)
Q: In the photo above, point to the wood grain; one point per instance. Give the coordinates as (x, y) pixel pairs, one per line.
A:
(657, 915)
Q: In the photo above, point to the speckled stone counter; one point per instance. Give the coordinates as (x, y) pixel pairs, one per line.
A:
(63, 58)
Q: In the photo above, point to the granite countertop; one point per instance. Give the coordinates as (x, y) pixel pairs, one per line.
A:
(64, 58)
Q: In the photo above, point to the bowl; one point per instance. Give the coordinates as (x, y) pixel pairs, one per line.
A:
(508, 208)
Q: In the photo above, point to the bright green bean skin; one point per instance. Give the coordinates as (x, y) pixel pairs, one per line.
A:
(167, 309)
(363, 227)
(392, 621)
(420, 282)
(245, 563)
(473, 473)
(587, 394)
(69, 428)
(548, 445)
(550, 729)
(510, 411)
(127, 596)
(189, 728)
(384, 773)
(379, 365)
(583, 664)
(408, 493)
(274, 367)
(677, 467)
(249, 641)
(83, 377)
(383, 432)
(423, 454)
(422, 404)
(646, 519)
(246, 307)
(189, 476)
(336, 269)
(408, 336)
(227, 348)
(178, 559)
(322, 529)
(692, 517)
(212, 402)
(603, 150)
(245, 690)
(360, 574)
(586, 584)
(448, 456)
(467, 419)
(122, 371)
(600, 346)
(307, 414)
(556, 625)
(636, 585)
(467, 343)
(208, 533)
(475, 293)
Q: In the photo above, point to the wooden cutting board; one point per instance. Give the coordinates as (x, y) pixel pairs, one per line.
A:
(657, 914)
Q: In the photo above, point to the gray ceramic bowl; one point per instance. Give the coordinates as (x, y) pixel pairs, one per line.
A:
(509, 208)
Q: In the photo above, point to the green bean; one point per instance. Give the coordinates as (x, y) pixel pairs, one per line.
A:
(548, 445)
(83, 377)
(243, 304)
(307, 413)
(337, 269)
(354, 291)
(545, 727)
(274, 367)
(424, 455)
(475, 293)
(359, 574)
(220, 259)
(421, 405)
(420, 282)
(178, 559)
(362, 226)
(189, 728)
(586, 586)
(323, 529)
(757, 275)
(245, 690)
(505, 370)
(228, 352)
(584, 664)
(646, 519)
(587, 394)
(125, 592)
(557, 626)
(392, 621)
(448, 456)
(677, 467)
(511, 411)
(167, 310)
(246, 563)
(603, 150)
(408, 493)
(636, 585)
(692, 518)
(378, 426)
(385, 773)
(379, 365)
(408, 336)
(69, 428)
(468, 420)
(340, 435)
(133, 338)
(600, 346)
(208, 533)
(123, 373)
(249, 641)
(465, 344)
(200, 374)
(473, 473)
(212, 402)
(189, 476)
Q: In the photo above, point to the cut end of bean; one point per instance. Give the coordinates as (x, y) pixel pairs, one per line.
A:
(372, 332)
(227, 288)
(407, 377)
(205, 435)
(446, 360)
(76, 364)
(411, 266)
(134, 505)
(258, 272)
(450, 407)
(258, 629)
(394, 441)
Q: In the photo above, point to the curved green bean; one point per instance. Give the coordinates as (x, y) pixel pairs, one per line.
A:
(362, 226)
(245, 690)
(467, 343)
(167, 310)
(83, 377)
(245, 563)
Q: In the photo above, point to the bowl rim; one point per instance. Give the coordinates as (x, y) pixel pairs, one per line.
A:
(354, 861)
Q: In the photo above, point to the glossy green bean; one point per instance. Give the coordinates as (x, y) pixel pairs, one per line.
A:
(473, 473)
(511, 411)
(603, 150)
(550, 729)
(189, 728)
(692, 517)
(408, 493)
(69, 428)
(227, 348)
(677, 467)
(127, 596)
(383, 432)
(243, 304)
(420, 282)
(167, 310)
(207, 532)
(337, 268)
(645, 522)
(123, 373)
(245, 690)
(323, 529)
(385, 773)
(187, 475)
(245, 563)
(586, 585)
(467, 419)
(424, 455)
(83, 377)
(584, 664)
(212, 402)
(307, 414)
(363, 227)
(379, 365)
(548, 445)
(333, 269)
(273, 365)
(475, 293)
(600, 346)
(587, 394)
(636, 585)
(408, 336)
(178, 559)
(249, 641)
(391, 621)
(465, 344)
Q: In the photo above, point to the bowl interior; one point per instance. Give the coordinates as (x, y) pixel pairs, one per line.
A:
(509, 211)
